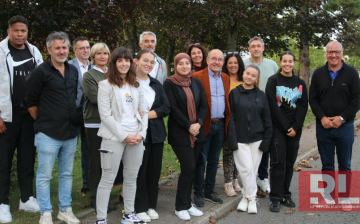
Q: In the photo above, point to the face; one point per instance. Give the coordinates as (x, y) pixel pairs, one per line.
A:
(101, 58)
(146, 63)
(183, 67)
(287, 63)
(18, 35)
(148, 43)
(123, 65)
(59, 51)
(215, 61)
(256, 49)
(82, 50)
(250, 76)
(196, 56)
(232, 65)
(334, 54)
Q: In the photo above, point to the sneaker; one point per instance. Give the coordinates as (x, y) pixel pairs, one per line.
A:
(229, 189)
(152, 214)
(85, 190)
(68, 216)
(5, 215)
(131, 218)
(252, 208)
(46, 218)
(30, 206)
(243, 205)
(183, 215)
(213, 198)
(194, 211)
(198, 200)
(288, 202)
(143, 216)
(263, 184)
(236, 185)
(103, 221)
(274, 206)
(345, 205)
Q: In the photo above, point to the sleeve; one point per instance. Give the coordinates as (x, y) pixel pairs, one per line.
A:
(314, 97)
(144, 118)
(301, 109)
(34, 85)
(90, 88)
(354, 98)
(232, 138)
(164, 109)
(39, 59)
(165, 72)
(266, 117)
(201, 114)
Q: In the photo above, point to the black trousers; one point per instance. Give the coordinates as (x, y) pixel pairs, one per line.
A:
(188, 158)
(283, 153)
(20, 136)
(148, 177)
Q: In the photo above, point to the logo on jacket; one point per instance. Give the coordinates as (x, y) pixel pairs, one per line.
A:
(288, 95)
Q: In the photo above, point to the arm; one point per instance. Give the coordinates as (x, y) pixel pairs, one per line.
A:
(232, 138)
(33, 112)
(90, 88)
(301, 109)
(314, 97)
(2, 126)
(354, 99)
(144, 118)
(34, 84)
(201, 115)
(266, 117)
(165, 71)
(164, 109)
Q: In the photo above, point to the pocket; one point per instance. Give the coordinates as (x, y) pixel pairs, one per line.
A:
(106, 158)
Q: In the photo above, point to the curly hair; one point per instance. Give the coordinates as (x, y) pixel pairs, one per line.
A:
(240, 63)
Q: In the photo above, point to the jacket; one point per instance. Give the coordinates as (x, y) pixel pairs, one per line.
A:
(162, 72)
(110, 107)
(7, 77)
(250, 118)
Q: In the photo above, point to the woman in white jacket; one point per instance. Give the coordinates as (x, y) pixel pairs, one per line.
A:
(123, 130)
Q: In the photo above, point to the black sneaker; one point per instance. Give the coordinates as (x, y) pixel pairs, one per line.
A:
(131, 218)
(103, 221)
(213, 198)
(274, 206)
(288, 202)
(198, 200)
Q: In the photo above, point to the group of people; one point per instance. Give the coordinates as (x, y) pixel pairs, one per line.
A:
(115, 105)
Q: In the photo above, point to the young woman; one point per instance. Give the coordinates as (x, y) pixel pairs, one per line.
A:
(188, 111)
(234, 68)
(198, 56)
(158, 106)
(249, 133)
(288, 104)
(124, 120)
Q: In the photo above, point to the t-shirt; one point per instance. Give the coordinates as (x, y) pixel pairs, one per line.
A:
(267, 68)
(149, 93)
(235, 84)
(128, 119)
(23, 63)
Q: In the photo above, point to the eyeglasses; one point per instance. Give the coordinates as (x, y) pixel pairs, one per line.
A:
(83, 48)
(332, 52)
(220, 60)
(196, 44)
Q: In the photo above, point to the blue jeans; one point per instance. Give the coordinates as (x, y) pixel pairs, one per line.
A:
(342, 138)
(48, 149)
(210, 153)
(84, 157)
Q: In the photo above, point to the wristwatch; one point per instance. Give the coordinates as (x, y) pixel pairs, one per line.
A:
(342, 120)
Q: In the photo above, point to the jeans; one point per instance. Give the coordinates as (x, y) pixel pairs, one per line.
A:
(84, 157)
(48, 150)
(210, 152)
(264, 166)
(342, 138)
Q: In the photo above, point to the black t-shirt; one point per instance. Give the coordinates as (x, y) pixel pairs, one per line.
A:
(23, 63)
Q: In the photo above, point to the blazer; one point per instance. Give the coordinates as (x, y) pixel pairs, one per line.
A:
(203, 76)
(110, 107)
(178, 122)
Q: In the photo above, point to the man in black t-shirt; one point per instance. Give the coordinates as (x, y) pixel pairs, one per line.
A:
(17, 59)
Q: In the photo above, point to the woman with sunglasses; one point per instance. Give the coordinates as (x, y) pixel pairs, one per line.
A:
(198, 56)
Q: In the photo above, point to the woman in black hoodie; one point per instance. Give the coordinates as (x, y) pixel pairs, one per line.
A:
(249, 133)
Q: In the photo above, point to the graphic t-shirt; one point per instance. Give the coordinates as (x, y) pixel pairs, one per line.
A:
(128, 119)
(23, 63)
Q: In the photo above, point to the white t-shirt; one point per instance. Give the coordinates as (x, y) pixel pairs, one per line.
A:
(149, 93)
(128, 119)
(155, 70)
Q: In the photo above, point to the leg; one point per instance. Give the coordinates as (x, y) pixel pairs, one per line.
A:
(344, 143)
(264, 165)
(326, 146)
(141, 198)
(84, 157)
(200, 167)
(228, 162)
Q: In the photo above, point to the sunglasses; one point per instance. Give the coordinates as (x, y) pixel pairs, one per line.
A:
(196, 44)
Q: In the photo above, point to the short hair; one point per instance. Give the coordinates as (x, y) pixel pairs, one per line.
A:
(57, 35)
(81, 38)
(208, 56)
(96, 48)
(240, 63)
(203, 51)
(256, 38)
(333, 41)
(147, 33)
(17, 19)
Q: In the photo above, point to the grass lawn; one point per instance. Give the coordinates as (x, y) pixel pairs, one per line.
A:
(310, 117)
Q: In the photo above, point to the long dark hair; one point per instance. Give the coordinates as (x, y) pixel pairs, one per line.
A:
(204, 53)
(113, 74)
(144, 51)
(287, 53)
(240, 63)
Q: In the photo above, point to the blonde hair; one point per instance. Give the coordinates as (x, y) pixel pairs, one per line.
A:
(96, 48)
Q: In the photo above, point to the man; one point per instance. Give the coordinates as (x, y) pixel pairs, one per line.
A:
(217, 86)
(148, 42)
(81, 48)
(17, 59)
(267, 68)
(51, 100)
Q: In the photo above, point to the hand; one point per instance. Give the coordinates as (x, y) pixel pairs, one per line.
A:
(326, 122)
(291, 132)
(335, 121)
(129, 138)
(2, 126)
(136, 140)
(195, 129)
(141, 114)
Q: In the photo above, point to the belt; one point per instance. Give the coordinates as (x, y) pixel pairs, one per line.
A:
(214, 121)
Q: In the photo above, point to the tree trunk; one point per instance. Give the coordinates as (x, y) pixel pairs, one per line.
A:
(304, 61)
(171, 55)
(232, 38)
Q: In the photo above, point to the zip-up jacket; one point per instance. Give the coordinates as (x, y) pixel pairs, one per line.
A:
(7, 77)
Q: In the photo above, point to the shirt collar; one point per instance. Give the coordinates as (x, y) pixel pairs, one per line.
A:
(211, 73)
(342, 65)
(99, 69)
(81, 64)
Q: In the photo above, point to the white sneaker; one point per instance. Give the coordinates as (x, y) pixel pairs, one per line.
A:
(236, 185)
(46, 218)
(345, 205)
(131, 218)
(194, 211)
(229, 189)
(152, 214)
(68, 216)
(183, 214)
(143, 216)
(252, 209)
(263, 184)
(30, 206)
(5, 215)
(243, 205)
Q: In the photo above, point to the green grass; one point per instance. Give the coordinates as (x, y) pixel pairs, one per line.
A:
(310, 117)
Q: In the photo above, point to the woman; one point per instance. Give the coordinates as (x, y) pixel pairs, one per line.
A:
(249, 133)
(99, 56)
(234, 68)
(158, 106)
(288, 104)
(198, 56)
(123, 130)
(188, 111)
